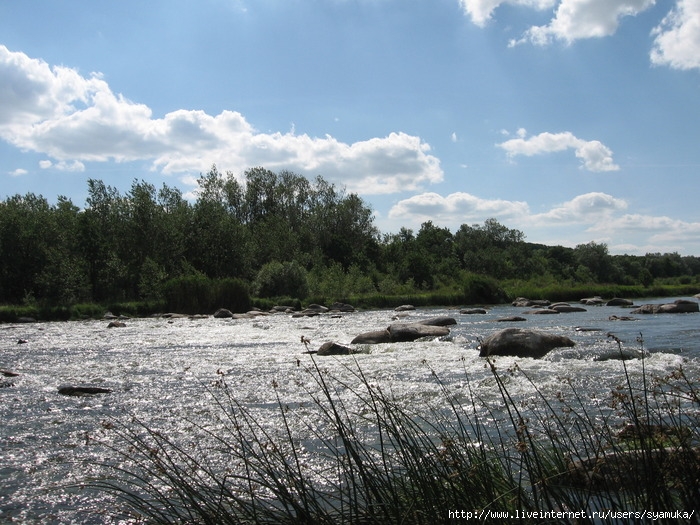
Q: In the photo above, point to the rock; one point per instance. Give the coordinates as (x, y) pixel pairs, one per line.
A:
(525, 302)
(332, 348)
(621, 318)
(26, 320)
(566, 308)
(681, 306)
(109, 315)
(70, 390)
(438, 321)
(515, 318)
(593, 301)
(223, 313)
(342, 307)
(471, 311)
(22, 341)
(305, 313)
(624, 468)
(116, 324)
(8, 373)
(316, 308)
(619, 302)
(522, 343)
(311, 311)
(373, 338)
(541, 311)
(406, 332)
(282, 308)
(404, 308)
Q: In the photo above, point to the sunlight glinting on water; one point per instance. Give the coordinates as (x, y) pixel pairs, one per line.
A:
(165, 372)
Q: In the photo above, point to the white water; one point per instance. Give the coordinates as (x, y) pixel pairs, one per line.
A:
(158, 370)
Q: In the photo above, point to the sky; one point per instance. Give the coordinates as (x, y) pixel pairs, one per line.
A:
(573, 121)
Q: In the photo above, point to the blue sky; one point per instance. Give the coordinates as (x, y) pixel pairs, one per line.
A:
(570, 120)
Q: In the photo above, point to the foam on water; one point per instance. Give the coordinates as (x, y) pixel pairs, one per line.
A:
(160, 371)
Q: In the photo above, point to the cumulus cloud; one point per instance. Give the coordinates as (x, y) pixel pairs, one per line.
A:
(677, 37)
(594, 155)
(481, 11)
(596, 216)
(457, 207)
(18, 172)
(577, 19)
(587, 208)
(74, 119)
(572, 20)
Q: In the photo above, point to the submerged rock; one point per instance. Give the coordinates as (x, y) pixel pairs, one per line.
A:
(681, 306)
(617, 301)
(73, 390)
(471, 311)
(566, 308)
(522, 343)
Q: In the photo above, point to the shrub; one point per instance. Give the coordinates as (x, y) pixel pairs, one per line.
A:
(483, 289)
(194, 294)
(277, 279)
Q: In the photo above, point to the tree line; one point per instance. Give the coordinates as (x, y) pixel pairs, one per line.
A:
(271, 235)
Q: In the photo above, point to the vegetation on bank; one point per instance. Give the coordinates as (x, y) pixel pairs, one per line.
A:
(355, 454)
(280, 236)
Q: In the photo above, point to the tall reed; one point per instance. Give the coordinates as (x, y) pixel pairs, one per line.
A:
(357, 454)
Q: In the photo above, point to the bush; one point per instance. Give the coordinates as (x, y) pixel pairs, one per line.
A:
(194, 294)
(277, 279)
(480, 289)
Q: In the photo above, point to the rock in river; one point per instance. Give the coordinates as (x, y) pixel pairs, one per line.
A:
(522, 343)
(72, 390)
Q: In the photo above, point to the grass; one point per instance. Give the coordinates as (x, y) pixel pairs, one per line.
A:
(355, 454)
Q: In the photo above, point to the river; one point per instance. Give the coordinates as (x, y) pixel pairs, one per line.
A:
(158, 370)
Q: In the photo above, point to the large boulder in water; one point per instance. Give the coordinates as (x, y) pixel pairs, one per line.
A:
(406, 332)
(333, 348)
(681, 306)
(522, 343)
(223, 313)
(374, 337)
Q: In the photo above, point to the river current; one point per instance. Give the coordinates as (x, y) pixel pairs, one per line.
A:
(158, 370)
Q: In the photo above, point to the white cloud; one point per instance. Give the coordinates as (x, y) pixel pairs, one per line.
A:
(594, 154)
(18, 172)
(587, 208)
(62, 165)
(456, 208)
(677, 42)
(73, 119)
(481, 11)
(577, 19)
(594, 216)
(572, 20)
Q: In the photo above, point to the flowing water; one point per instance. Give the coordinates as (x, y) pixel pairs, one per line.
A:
(158, 370)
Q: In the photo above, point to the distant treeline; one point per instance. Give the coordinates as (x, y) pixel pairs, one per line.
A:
(277, 235)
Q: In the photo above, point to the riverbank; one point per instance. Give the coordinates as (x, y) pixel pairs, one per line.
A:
(496, 294)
